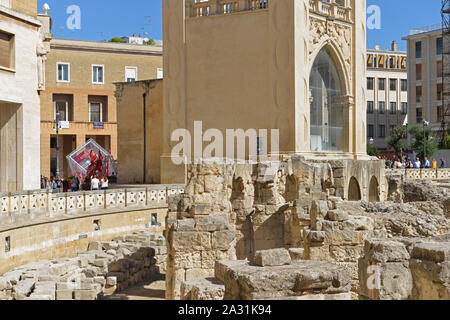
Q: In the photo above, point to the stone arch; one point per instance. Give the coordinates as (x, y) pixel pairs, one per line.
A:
(335, 52)
(354, 191)
(374, 195)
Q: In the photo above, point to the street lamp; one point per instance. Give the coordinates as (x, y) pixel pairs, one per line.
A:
(425, 124)
(371, 141)
(57, 143)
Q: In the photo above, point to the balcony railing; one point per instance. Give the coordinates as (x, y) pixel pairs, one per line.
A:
(204, 8)
(337, 9)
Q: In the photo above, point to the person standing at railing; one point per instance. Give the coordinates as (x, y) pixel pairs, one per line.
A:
(95, 183)
(434, 164)
(443, 164)
(417, 164)
(427, 164)
(105, 182)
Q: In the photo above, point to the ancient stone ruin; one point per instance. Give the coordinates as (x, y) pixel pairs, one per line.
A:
(307, 230)
(106, 268)
(288, 230)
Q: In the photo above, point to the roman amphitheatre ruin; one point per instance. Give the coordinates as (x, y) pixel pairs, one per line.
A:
(293, 229)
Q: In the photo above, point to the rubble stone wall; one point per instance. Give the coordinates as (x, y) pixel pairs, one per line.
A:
(106, 268)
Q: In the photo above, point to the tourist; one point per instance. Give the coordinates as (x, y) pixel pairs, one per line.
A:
(398, 164)
(48, 186)
(75, 183)
(105, 183)
(65, 185)
(443, 164)
(95, 183)
(434, 164)
(58, 184)
(388, 163)
(417, 164)
(427, 164)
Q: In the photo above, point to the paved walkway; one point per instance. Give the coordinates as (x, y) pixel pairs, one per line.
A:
(153, 289)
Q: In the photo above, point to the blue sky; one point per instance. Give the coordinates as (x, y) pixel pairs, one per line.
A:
(104, 19)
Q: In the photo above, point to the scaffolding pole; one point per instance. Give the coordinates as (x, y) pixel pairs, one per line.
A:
(445, 109)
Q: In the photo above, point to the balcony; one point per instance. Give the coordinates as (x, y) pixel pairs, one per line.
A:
(204, 8)
(336, 9)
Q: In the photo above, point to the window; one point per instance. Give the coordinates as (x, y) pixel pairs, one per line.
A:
(393, 84)
(130, 74)
(369, 106)
(327, 121)
(439, 88)
(418, 71)
(381, 131)
(98, 109)
(419, 94)
(392, 129)
(440, 114)
(439, 46)
(419, 118)
(6, 50)
(63, 72)
(95, 112)
(381, 107)
(159, 73)
(154, 219)
(393, 107)
(370, 132)
(404, 108)
(418, 49)
(404, 85)
(370, 83)
(8, 244)
(53, 143)
(381, 84)
(97, 74)
(440, 69)
(62, 108)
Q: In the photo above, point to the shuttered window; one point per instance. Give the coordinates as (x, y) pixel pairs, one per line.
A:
(5, 49)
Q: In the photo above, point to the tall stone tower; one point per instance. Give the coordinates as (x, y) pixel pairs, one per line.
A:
(293, 65)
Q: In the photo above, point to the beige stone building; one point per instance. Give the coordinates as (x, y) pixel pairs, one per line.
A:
(80, 77)
(425, 48)
(294, 65)
(22, 65)
(387, 93)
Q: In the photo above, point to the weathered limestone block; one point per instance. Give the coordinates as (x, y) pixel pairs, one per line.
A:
(303, 278)
(274, 257)
(297, 254)
(202, 289)
(430, 268)
(23, 289)
(384, 271)
(186, 241)
(337, 215)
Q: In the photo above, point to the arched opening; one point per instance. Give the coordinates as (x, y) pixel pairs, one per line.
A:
(326, 122)
(374, 195)
(354, 192)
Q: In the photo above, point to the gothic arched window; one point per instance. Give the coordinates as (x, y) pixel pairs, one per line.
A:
(326, 106)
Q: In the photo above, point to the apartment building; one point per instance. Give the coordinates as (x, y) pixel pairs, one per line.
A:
(80, 88)
(387, 93)
(425, 68)
(22, 64)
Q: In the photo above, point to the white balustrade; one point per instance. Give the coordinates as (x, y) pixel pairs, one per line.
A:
(29, 205)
